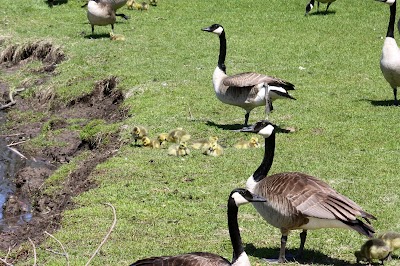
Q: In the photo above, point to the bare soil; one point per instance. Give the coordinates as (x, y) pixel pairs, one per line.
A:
(102, 103)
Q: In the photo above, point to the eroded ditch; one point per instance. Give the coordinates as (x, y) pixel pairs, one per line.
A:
(27, 210)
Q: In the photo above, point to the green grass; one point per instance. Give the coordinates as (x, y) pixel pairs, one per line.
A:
(345, 133)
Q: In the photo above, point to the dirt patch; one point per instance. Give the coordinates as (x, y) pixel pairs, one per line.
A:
(104, 102)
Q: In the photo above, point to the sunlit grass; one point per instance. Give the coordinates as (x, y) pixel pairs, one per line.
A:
(346, 130)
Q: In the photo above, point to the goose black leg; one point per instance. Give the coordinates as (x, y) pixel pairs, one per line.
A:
(303, 236)
(282, 258)
(395, 96)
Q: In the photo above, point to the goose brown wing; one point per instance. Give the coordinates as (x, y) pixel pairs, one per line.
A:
(189, 259)
(246, 79)
(249, 79)
(314, 198)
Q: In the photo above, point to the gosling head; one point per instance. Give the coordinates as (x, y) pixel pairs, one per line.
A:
(146, 141)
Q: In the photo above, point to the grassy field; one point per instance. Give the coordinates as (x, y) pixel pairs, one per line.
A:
(346, 128)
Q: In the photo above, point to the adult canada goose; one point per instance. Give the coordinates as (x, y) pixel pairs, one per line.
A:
(390, 59)
(115, 4)
(300, 201)
(392, 239)
(237, 197)
(101, 13)
(373, 249)
(310, 5)
(246, 90)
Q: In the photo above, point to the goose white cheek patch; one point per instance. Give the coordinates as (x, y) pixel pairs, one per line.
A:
(266, 131)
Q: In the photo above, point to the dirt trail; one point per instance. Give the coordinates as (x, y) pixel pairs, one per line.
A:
(102, 103)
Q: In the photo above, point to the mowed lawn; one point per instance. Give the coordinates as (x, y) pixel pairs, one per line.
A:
(346, 129)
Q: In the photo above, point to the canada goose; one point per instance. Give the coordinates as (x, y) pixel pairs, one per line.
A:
(245, 144)
(214, 149)
(311, 5)
(180, 149)
(237, 197)
(392, 239)
(246, 90)
(390, 59)
(178, 135)
(101, 13)
(373, 249)
(203, 143)
(150, 143)
(300, 201)
(138, 132)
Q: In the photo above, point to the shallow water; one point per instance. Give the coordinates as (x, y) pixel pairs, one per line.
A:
(10, 164)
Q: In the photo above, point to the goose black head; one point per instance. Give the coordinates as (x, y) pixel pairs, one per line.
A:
(214, 28)
(243, 196)
(263, 128)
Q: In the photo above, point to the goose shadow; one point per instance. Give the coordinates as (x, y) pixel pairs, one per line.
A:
(380, 102)
(238, 127)
(52, 3)
(321, 13)
(310, 257)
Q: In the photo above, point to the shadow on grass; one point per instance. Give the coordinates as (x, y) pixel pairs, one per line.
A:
(381, 103)
(321, 13)
(97, 36)
(237, 127)
(52, 3)
(310, 257)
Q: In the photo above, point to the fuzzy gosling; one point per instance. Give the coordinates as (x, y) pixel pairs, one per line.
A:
(214, 149)
(245, 144)
(178, 135)
(179, 150)
(373, 249)
(150, 143)
(139, 132)
(392, 239)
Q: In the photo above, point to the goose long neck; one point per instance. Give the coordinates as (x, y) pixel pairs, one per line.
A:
(265, 166)
(222, 51)
(234, 232)
(390, 31)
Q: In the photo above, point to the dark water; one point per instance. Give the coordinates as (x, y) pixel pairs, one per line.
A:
(10, 163)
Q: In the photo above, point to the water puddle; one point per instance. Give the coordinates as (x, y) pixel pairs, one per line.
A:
(15, 208)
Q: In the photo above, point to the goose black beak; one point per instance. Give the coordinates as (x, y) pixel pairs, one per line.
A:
(209, 30)
(257, 198)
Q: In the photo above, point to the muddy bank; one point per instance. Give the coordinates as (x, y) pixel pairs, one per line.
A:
(28, 210)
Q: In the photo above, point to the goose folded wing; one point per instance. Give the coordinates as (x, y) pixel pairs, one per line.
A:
(246, 79)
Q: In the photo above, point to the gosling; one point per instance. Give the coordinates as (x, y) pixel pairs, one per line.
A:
(214, 149)
(201, 144)
(373, 249)
(178, 135)
(179, 150)
(392, 240)
(246, 144)
(139, 132)
(150, 143)
(163, 139)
